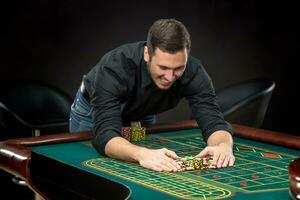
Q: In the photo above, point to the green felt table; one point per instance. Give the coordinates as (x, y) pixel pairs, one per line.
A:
(260, 170)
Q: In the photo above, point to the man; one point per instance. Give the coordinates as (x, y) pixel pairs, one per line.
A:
(136, 81)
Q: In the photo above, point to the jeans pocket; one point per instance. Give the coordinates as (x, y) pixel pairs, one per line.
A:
(79, 107)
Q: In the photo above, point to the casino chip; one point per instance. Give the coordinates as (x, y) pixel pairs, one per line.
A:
(134, 133)
(138, 134)
(188, 163)
(126, 133)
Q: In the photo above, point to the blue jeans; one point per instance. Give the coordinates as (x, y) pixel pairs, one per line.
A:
(81, 116)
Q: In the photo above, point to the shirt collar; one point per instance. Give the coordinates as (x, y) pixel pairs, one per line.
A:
(145, 75)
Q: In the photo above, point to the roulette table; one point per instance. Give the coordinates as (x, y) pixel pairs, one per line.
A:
(66, 165)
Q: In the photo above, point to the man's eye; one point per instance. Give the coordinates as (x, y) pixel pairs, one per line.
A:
(179, 69)
(163, 68)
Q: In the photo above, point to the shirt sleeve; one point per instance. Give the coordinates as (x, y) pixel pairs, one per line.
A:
(109, 87)
(203, 103)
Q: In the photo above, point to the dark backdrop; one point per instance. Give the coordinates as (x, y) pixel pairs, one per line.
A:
(57, 41)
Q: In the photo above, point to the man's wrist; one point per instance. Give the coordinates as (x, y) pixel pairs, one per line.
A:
(228, 143)
(219, 137)
(139, 153)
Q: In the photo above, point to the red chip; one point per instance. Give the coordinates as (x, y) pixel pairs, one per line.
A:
(126, 133)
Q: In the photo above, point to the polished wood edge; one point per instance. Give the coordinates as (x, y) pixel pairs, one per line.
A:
(294, 178)
(272, 137)
(15, 153)
(294, 170)
(180, 125)
(262, 135)
(14, 159)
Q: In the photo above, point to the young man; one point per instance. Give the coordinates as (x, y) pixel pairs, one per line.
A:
(136, 81)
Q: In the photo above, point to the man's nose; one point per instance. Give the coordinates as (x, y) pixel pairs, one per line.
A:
(169, 75)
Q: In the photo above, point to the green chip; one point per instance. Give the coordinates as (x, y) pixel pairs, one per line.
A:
(138, 134)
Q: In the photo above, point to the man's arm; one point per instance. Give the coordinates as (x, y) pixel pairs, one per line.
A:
(107, 128)
(215, 130)
(158, 160)
(111, 85)
(220, 146)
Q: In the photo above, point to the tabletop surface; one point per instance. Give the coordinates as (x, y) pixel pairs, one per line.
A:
(260, 170)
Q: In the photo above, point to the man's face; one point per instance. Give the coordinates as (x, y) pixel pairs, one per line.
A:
(166, 68)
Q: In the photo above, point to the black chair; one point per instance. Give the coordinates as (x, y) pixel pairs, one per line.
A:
(31, 108)
(246, 102)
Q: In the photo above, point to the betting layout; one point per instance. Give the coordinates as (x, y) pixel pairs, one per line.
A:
(256, 169)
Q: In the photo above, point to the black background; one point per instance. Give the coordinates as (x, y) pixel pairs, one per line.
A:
(57, 41)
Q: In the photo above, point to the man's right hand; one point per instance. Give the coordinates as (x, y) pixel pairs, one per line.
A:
(154, 159)
(158, 160)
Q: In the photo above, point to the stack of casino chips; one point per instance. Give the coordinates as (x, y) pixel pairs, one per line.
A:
(138, 134)
(191, 163)
(134, 133)
(126, 133)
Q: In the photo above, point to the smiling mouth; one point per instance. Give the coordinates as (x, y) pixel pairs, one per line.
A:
(165, 83)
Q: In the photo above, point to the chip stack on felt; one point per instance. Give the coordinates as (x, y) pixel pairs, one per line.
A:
(126, 133)
(134, 133)
(191, 163)
(138, 132)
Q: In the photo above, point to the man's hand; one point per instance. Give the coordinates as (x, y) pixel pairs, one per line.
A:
(220, 147)
(222, 154)
(159, 160)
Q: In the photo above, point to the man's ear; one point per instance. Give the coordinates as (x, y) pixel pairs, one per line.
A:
(146, 54)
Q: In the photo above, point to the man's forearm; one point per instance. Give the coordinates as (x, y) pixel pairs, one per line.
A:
(122, 149)
(155, 159)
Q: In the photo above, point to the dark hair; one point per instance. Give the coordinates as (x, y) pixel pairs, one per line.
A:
(169, 35)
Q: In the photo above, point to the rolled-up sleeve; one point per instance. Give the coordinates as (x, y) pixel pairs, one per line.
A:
(203, 103)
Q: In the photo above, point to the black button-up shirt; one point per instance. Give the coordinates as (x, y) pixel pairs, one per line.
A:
(121, 90)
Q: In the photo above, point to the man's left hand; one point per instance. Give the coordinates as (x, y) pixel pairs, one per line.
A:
(222, 154)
